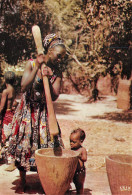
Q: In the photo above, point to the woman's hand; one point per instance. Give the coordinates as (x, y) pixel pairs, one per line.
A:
(40, 60)
(46, 71)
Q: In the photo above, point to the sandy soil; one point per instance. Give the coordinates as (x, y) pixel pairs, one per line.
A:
(108, 131)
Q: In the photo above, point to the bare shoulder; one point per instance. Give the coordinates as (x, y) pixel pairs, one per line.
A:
(28, 64)
(4, 92)
(28, 68)
(84, 150)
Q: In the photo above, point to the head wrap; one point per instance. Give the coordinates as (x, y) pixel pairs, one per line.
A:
(50, 39)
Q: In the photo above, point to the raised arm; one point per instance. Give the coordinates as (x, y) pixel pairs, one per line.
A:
(83, 155)
(28, 76)
(30, 73)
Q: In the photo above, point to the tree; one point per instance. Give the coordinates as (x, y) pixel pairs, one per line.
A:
(17, 19)
(97, 34)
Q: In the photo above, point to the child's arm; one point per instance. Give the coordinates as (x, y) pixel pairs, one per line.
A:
(83, 155)
(3, 102)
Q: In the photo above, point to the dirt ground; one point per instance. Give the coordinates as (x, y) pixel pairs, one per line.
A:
(108, 131)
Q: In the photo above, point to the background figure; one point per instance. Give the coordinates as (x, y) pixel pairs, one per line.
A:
(95, 94)
(76, 139)
(7, 107)
(30, 129)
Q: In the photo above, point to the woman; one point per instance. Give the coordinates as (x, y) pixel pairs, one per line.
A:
(30, 126)
(8, 105)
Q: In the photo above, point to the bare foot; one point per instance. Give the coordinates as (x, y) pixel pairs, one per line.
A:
(11, 167)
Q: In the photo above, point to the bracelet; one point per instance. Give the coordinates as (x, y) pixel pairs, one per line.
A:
(34, 64)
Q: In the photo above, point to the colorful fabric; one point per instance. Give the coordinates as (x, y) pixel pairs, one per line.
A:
(30, 129)
(49, 39)
(6, 129)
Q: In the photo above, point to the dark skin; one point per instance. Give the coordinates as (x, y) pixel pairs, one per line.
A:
(8, 98)
(76, 145)
(53, 57)
(8, 102)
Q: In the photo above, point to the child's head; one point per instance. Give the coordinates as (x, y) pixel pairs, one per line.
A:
(9, 77)
(76, 138)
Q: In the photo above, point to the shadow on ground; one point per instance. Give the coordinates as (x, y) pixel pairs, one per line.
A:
(66, 106)
(33, 185)
(99, 99)
(73, 192)
(63, 108)
(124, 116)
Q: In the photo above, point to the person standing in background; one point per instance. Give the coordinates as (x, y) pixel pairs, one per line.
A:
(8, 105)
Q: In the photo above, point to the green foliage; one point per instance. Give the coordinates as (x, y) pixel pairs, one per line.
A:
(96, 33)
(18, 17)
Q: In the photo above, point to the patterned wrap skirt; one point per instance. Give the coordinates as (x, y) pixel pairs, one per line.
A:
(7, 127)
(30, 132)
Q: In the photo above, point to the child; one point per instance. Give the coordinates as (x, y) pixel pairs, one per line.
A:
(76, 139)
(7, 107)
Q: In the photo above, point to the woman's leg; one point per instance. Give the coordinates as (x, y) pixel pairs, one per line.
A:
(23, 179)
(22, 186)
